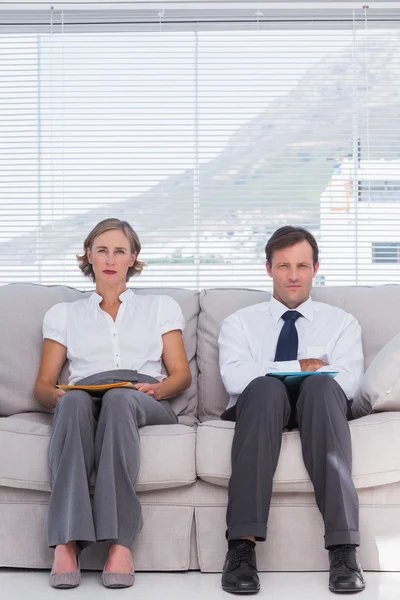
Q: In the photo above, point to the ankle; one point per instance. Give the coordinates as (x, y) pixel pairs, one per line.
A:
(118, 550)
(68, 548)
(237, 542)
(119, 556)
(338, 546)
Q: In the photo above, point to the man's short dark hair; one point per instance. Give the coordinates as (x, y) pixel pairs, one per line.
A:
(288, 236)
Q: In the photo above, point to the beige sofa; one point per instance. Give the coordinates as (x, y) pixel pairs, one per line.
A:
(185, 468)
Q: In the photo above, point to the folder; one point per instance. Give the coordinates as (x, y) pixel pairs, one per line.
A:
(293, 379)
(98, 390)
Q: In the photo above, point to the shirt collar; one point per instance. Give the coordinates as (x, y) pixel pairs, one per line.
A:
(124, 297)
(278, 309)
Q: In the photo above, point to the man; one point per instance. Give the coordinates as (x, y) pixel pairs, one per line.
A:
(291, 333)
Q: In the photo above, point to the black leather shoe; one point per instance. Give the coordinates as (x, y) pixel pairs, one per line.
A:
(240, 575)
(345, 575)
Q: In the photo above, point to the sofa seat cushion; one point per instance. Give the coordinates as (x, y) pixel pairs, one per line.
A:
(167, 454)
(376, 454)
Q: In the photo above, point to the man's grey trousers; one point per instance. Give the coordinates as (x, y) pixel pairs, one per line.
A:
(102, 436)
(262, 412)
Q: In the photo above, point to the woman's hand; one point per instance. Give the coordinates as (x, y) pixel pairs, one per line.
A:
(57, 394)
(48, 394)
(151, 389)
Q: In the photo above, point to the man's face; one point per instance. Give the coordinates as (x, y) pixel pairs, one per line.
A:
(292, 271)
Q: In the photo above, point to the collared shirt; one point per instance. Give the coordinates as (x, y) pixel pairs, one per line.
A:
(96, 343)
(248, 339)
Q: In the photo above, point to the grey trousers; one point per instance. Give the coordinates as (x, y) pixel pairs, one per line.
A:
(262, 412)
(100, 435)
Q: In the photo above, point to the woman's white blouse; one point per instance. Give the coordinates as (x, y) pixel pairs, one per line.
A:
(96, 343)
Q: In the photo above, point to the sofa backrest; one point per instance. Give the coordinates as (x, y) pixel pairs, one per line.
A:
(376, 309)
(23, 306)
(215, 306)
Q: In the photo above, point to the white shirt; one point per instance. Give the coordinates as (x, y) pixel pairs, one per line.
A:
(248, 339)
(96, 343)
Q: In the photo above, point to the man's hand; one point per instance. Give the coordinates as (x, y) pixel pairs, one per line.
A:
(311, 364)
(151, 389)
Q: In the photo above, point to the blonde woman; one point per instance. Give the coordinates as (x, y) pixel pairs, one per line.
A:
(112, 335)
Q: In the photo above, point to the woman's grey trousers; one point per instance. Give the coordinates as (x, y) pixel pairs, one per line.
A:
(102, 436)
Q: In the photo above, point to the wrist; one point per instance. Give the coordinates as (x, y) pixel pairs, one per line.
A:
(159, 393)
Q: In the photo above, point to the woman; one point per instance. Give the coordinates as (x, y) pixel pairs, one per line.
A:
(112, 335)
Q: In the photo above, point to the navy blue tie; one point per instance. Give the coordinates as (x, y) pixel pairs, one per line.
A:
(288, 341)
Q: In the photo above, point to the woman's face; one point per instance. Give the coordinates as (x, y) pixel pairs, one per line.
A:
(111, 257)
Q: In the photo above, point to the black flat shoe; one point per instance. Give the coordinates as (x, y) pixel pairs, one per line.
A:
(240, 575)
(345, 575)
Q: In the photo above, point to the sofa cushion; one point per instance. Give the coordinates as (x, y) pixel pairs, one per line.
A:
(375, 308)
(380, 386)
(376, 459)
(167, 454)
(215, 306)
(370, 305)
(21, 343)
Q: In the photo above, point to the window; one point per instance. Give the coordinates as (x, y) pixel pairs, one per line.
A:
(380, 191)
(386, 252)
(206, 130)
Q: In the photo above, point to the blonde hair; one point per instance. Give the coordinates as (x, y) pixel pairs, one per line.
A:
(100, 228)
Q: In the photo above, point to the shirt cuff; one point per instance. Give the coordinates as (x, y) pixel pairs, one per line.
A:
(290, 366)
(172, 326)
(54, 338)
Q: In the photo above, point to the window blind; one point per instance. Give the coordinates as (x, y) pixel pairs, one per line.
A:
(206, 130)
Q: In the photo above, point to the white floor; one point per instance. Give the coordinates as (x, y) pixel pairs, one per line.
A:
(16, 584)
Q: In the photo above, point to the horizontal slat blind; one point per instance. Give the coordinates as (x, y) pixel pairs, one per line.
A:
(19, 157)
(206, 137)
(360, 207)
(84, 19)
